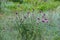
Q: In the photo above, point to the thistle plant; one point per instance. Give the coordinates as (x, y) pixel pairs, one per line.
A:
(28, 25)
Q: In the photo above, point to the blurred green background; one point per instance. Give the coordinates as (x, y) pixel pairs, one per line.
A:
(25, 5)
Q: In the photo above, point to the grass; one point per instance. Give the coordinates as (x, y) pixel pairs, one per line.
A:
(25, 22)
(29, 26)
(25, 6)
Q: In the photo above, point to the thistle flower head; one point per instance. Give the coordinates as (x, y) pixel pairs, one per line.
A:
(45, 20)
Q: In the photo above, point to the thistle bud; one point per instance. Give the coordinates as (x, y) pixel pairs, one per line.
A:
(16, 13)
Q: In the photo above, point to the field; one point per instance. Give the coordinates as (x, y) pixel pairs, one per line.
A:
(28, 23)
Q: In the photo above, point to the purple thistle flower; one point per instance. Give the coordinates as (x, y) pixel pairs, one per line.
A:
(45, 20)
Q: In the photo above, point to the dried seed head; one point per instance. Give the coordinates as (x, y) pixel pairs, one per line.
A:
(25, 17)
(38, 18)
(16, 13)
(28, 13)
(21, 20)
(43, 14)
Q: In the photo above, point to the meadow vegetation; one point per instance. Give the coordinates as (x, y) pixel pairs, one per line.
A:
(30, 20)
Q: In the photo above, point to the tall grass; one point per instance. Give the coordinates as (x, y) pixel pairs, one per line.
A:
(29, 26)
(28, 5)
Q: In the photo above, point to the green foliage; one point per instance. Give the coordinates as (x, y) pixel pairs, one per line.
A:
(30, 5)
(56, 0)
(0, 6)
(20, 1)
(57, 38)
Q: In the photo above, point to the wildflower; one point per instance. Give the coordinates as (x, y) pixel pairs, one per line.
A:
(45, 20)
